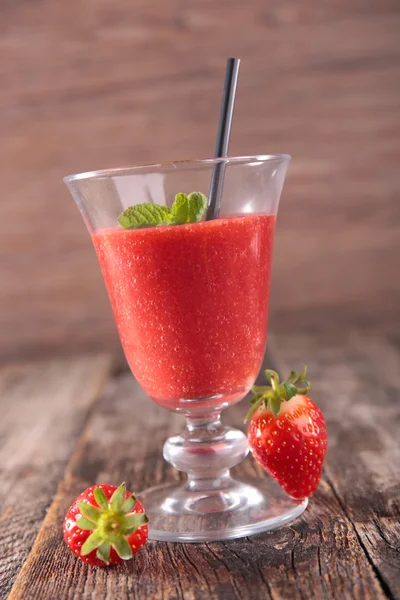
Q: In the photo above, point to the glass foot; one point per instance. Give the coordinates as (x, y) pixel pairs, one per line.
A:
(236, 509)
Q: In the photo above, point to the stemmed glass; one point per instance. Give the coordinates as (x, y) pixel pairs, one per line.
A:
(191, 307)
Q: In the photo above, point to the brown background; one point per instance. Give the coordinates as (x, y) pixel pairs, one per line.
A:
(88, 84)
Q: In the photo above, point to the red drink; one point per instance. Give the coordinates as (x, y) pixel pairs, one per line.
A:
(191, 303)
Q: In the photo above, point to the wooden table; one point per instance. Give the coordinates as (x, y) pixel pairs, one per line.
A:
(69, 422)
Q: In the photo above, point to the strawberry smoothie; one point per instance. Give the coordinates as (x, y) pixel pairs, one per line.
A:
(191, 304)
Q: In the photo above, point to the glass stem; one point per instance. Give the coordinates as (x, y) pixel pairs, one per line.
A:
(206, 451)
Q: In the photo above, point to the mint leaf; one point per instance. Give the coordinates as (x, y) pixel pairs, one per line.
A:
(188, 209)
(180, 209)
(144, 215)
(185, 209)
(197, 206)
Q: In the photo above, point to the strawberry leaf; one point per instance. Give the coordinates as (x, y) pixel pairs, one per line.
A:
(118, 498)
(292, 377)
(258, 400)
(129, 504)
(134, 521)
(89, 511)
(94, 540)
(100, 498)
(290, 390)
(103, 552)
(303, 374)
(271, 376)
(275, 405)
(85, 524)
(122, 548)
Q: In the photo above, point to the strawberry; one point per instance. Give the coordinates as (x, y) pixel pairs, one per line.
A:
(287, 433)
(105, 525)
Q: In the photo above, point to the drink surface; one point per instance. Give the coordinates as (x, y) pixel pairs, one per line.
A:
(191, 303)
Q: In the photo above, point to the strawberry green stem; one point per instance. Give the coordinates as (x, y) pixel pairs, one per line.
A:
(110, 524)
(272, 396)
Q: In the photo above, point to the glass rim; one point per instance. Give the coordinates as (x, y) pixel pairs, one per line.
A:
(129, 170)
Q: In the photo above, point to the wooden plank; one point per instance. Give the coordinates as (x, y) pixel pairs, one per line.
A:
(120, 86)
(43, 408)
(323, 555)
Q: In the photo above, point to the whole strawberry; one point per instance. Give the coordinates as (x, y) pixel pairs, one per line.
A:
(287, 433)
(105, 525)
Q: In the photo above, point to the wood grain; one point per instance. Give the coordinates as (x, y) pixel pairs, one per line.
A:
(89, 84)
(345, 545)
(43, 409)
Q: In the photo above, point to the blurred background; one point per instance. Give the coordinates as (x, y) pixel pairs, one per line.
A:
(89, 84)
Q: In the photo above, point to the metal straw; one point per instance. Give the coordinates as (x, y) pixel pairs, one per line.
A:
(224, 132)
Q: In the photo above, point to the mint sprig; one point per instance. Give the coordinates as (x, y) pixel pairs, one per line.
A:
(187, 208)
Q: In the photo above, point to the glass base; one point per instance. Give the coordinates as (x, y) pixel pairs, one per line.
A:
(236, 509)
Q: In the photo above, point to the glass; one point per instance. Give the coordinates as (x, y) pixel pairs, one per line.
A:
(191, 307)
